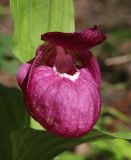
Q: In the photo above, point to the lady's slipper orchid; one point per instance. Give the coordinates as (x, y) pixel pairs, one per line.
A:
(61, 85)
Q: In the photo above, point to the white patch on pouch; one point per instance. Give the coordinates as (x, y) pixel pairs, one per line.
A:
(71, 77)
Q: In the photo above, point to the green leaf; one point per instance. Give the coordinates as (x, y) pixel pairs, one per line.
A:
(34, 17)
(12, 117)
(31, 144)
(69, 156)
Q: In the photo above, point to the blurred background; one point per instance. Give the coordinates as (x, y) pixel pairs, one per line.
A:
(114, 56)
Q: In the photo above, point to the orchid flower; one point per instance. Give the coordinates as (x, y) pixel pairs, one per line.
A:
(61, 84)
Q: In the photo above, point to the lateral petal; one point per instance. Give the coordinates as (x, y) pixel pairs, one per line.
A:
(89, 61)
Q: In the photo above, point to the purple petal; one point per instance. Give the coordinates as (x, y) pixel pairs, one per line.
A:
(89, 61)
(64, 62)
(45, 54)
(76, 41)
(48, 54)
(65, 107)
(22, 73)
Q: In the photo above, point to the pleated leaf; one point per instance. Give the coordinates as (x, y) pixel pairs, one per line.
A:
(12, 117)
(35, 144)
(34, 17)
